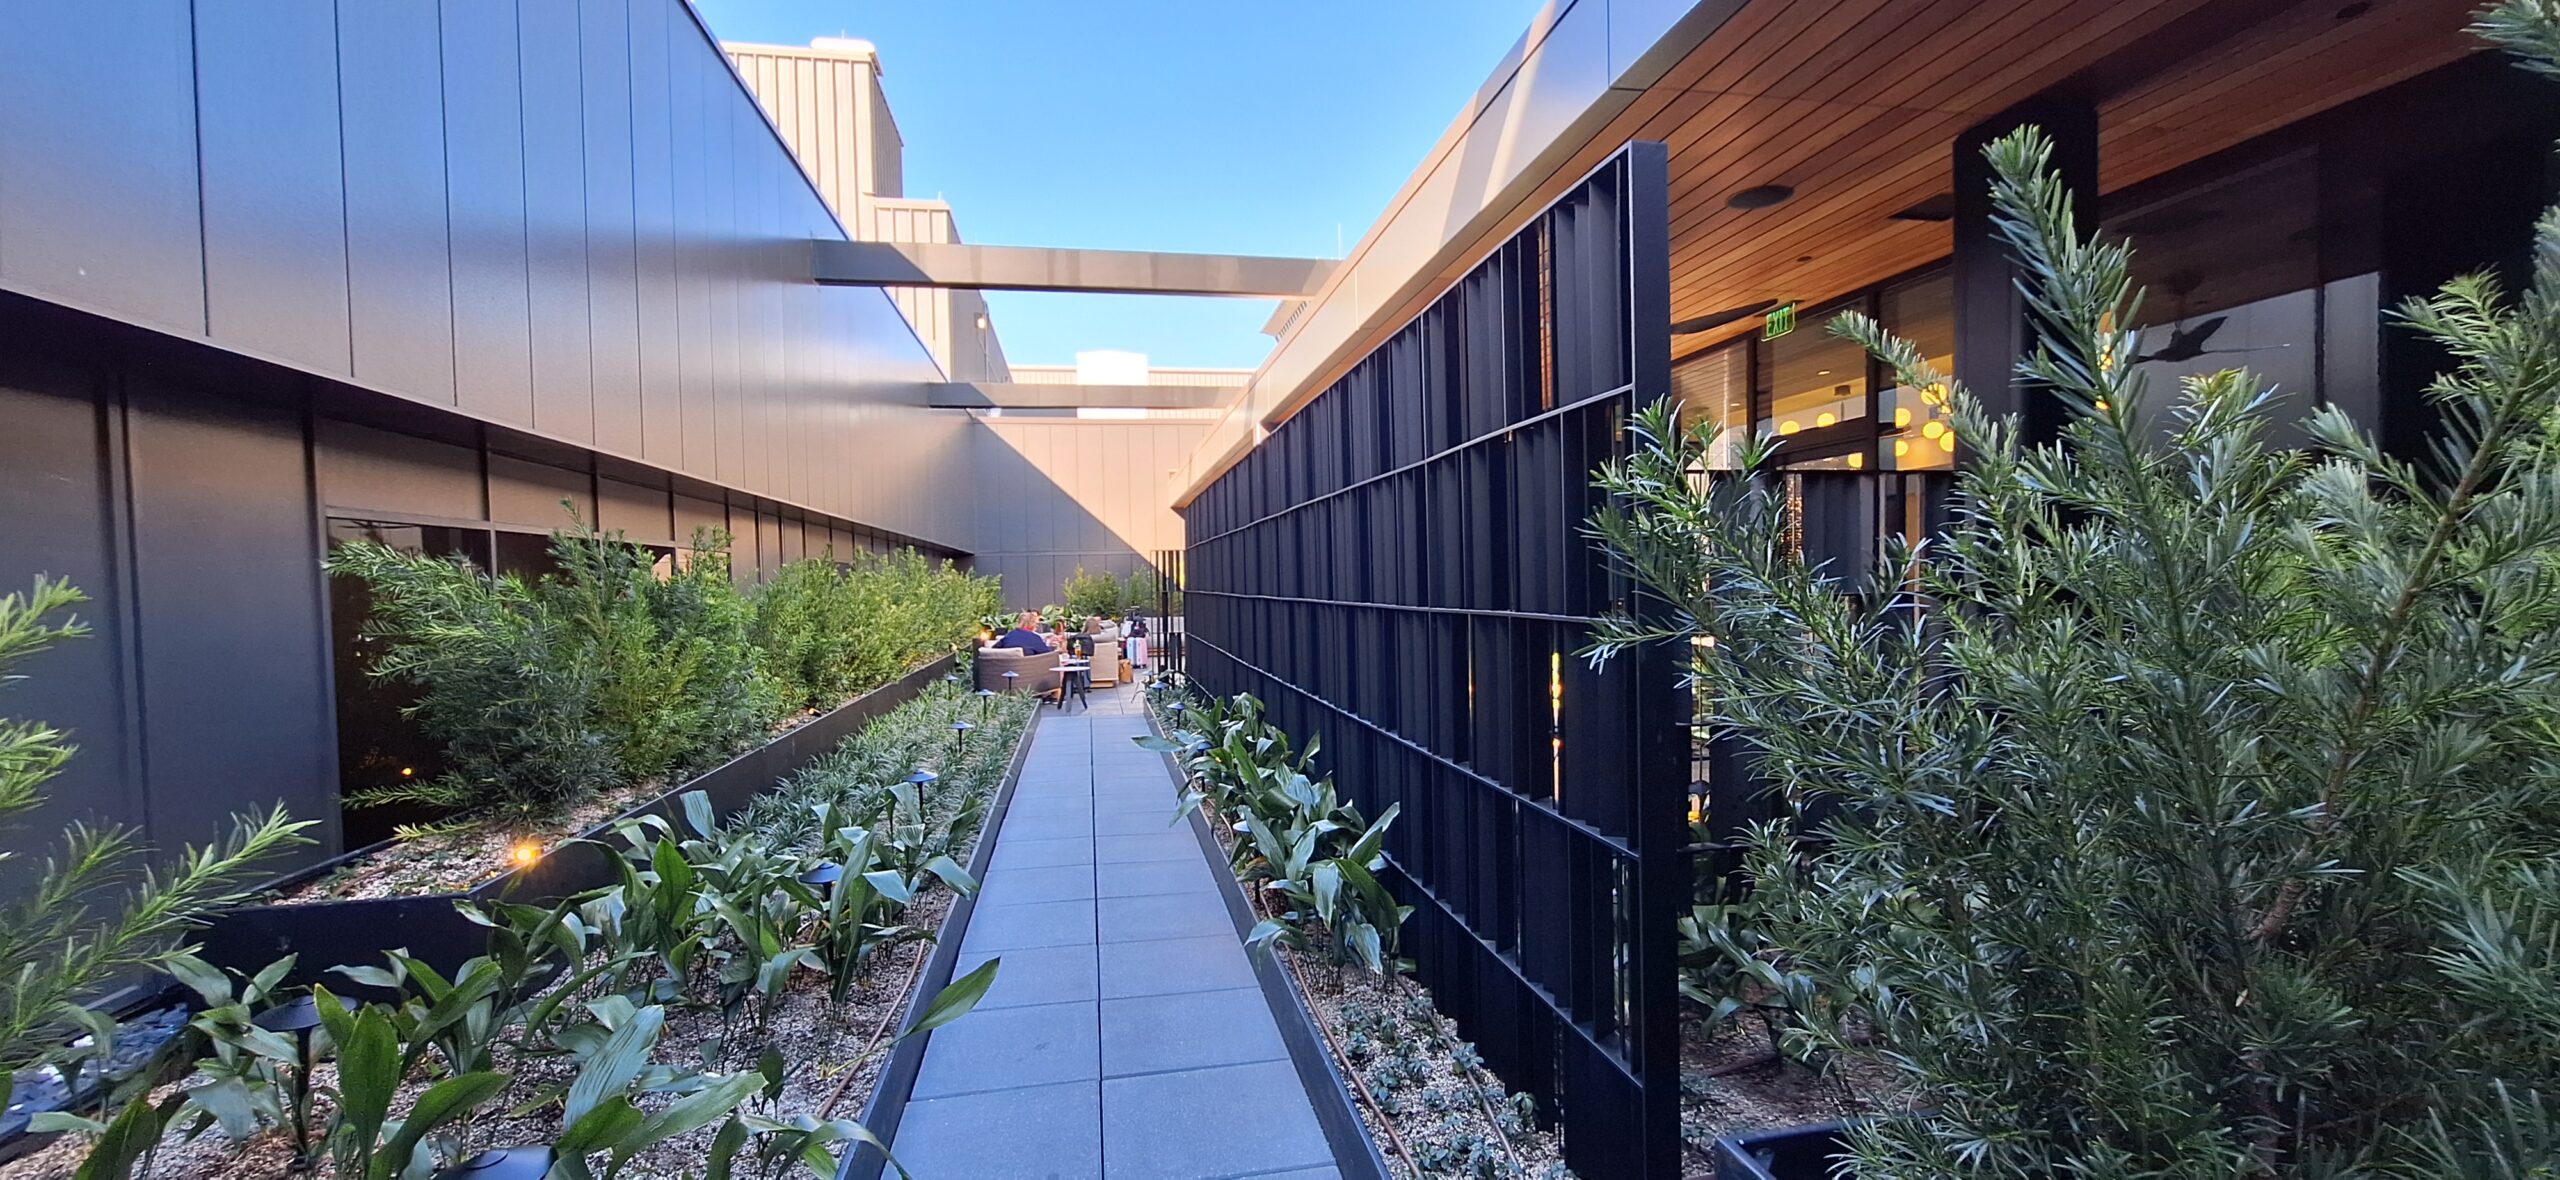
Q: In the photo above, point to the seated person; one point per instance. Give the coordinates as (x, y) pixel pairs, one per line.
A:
(1103, 629)
(1025, 636)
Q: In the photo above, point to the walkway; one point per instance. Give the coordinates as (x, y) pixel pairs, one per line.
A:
(1124, 1037)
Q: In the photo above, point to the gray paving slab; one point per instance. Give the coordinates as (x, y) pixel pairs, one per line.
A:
(1033, 854)
(1009, 1048)
(1172, 844)
(1045, 883)
(1161, 915)
(1119, 958)
(1161, 876)
(1137, 822)
(1010, 926)
(1164, 965)
(1188, 1030)
(1037, 975)
(1048, 1134)
(1152, 1125)
(1050, 827)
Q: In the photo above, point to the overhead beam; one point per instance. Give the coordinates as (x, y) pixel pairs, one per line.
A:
(1022, 395)
(1041, 268)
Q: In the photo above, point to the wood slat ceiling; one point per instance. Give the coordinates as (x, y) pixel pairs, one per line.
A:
(1854, 104)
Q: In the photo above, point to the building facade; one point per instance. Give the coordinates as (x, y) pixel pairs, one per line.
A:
(416, 270)
(1652, 198)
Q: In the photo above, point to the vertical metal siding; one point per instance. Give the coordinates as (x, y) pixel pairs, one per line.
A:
(564, 217)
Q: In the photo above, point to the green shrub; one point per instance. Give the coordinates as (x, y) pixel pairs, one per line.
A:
(679, 686)
(1299, 846)
(830, 632)
(2191, 800)
(1088, 595)
(542, 692)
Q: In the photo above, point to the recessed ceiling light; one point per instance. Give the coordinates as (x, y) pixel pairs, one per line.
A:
(1760, 197)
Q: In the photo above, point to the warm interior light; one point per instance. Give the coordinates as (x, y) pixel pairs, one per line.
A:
(524, 853)
(1790, 426)
(1901, 447)
(1902, 415)
(1857, 459)
(1825, 418)
(408, 771)
(1947, 442)
(1932, 429)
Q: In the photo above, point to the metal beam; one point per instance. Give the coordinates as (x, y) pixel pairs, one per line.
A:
(1041, 268)
(987, 395)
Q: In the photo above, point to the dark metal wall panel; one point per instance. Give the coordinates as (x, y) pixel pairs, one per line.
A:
(484, 185)
(59, 475)
(528, 494)
(613, 307)
(399, 261)
(753, 189)
(98, 145)
(1420, 607)
(692, 514)
(275, 243)
(721, 251)
(234, 678)
(362, 469)
(654, 236)
(555, 193)
(695, 349)
(641, 513)
(566, 218)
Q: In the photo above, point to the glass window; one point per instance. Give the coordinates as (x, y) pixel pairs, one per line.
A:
(379, 745)
(2231, 277)
(1716, 385)
(1812, 379)
(1922, 311)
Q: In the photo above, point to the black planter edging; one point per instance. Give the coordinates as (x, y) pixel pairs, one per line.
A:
(1355, 1154)
(1789, 1153)
(328, 934)
(897, 1079)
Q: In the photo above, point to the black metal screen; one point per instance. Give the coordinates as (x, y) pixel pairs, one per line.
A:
(1400, 567)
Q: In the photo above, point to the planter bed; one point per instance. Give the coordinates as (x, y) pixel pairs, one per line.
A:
(1329, 1012)
(324, 930)
(889, 1083)
(1793, 1153)
(1732, 1087)
(835, 1054)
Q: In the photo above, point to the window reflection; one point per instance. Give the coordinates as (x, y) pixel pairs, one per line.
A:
(2232, 277)
(1716, 385)
(1814, 380)
(1916, 429)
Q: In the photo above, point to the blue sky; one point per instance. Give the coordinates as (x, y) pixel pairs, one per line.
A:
(1222, 126)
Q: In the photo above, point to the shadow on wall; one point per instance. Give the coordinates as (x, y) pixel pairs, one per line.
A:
(1051, 494)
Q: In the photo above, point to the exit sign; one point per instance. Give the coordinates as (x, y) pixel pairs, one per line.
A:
(1781, 320)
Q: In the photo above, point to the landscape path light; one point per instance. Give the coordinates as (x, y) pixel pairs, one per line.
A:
(299, 1016)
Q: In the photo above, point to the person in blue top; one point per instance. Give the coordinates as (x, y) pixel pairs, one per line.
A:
(1025, 636)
